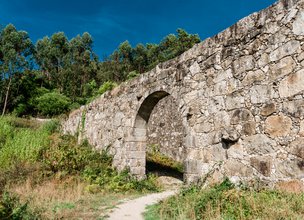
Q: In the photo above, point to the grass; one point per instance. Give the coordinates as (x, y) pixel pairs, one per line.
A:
(154, 156)
(67, 199)
(21, 140)
(47, 175)
(225, 201)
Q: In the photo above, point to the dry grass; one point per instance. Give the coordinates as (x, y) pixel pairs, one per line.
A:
(67, 199)
(229, 203)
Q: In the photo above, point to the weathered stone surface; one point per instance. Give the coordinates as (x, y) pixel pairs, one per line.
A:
(243, 64)
(285, 50)
(262, 164)
(234, 100)
(292, 84)
(278, 125)
(293, 168)
(223, 88)
(301, 132)
(268, 109)
(259, 144)
(292, 186)
(282, 68)
(240, 116)
(229, 134)
(298, 24)
(294, 108)
(260, 94)
(236, 168)
(165, 129)
(253, 77)
(297, 147)
(249, 128)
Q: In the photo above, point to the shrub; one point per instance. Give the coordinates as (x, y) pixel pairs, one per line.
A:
(20, 109)
(66, 157)
(12, 208)
(51, 126)
(106, 86)
(52, 103)
(224, 201)
(132, 75)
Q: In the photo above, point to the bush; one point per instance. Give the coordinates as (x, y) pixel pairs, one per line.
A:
(51, 126)
(224, 201)
(132, 75)
(52, 103)
(12, 208)
(106, 86)
(66, 157)
(20, 109)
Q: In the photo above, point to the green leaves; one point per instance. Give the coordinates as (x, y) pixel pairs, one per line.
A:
(52, 103)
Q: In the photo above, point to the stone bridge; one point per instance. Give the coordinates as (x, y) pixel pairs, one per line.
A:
(234, 103)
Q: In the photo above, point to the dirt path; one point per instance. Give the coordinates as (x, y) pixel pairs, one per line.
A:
(133, 209)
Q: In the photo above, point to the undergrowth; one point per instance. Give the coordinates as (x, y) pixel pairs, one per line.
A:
(154, 156)
(225, 201)
(36, 153)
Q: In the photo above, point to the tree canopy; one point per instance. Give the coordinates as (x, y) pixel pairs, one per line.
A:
(34, 75)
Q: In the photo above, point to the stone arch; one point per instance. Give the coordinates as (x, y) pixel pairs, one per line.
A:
(137, 154)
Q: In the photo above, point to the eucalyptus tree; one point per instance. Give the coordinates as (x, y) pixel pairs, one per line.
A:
(16, 50)
(52, 57)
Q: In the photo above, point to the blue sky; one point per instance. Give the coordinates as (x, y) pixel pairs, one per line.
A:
(114, 21)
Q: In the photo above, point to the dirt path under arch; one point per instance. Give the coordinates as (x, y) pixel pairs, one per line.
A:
(133, 209)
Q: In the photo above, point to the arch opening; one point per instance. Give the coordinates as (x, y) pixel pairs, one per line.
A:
(156, 154)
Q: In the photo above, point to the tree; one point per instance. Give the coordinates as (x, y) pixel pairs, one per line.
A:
(15, 51)
(51, 56)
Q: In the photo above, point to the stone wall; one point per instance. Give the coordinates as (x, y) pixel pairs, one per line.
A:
(165, 129)
(240, 99)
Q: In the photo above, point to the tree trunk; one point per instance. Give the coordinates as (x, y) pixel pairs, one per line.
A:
(6, 96)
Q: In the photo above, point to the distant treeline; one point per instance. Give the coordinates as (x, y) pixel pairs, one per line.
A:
(57, 74)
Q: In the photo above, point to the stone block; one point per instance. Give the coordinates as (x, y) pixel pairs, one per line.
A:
(259, 144)
(287, 49)
(278, 125)
(234, 100)
(282, 68)
(253, 77)
(262, 164)
(249, 128)
(243, 64)
(194, 68)
(236, 168)
(240, 116)
(293, 168)
(260, 94)
(297, 147)
(268, 109)
(298, 24)
(301, 132)
(294, 108)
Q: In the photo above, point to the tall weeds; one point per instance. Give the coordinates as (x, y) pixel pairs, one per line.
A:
(225, 201)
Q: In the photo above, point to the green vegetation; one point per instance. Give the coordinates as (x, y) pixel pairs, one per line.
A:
(58, 74)
(106, 87)
(52, 103)
(40, 161)
(225, 201)
(12, 208)
(156, 158)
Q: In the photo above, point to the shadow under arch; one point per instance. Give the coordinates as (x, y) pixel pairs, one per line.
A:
(137, 156)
